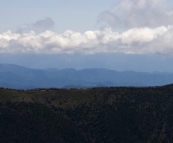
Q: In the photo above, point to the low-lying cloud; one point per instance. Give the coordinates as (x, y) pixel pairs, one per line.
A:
(139, 27)
(142, 40)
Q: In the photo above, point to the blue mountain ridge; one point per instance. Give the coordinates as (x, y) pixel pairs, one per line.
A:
(18, 77)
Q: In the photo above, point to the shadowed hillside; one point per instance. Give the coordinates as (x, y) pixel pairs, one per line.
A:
(87, 115)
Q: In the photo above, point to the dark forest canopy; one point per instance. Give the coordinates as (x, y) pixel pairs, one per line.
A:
(116, 114)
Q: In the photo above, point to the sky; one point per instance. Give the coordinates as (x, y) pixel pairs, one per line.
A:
(123, 35)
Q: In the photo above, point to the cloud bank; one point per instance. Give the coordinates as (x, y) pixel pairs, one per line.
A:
(143, 40)
(139, 27)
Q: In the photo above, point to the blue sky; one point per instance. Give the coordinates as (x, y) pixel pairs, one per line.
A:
(76, 15)
(121, 35)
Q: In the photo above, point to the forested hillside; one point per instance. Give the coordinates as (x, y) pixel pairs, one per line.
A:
(121, 114)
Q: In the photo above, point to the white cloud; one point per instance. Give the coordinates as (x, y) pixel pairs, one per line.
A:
(139, 27)
(142, 40)
(127, 14)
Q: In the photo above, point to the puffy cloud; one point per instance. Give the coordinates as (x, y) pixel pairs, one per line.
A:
(128, 14)
(140, 27)
(142, 40)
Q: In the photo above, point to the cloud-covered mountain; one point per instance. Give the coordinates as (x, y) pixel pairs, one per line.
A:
(13, 76)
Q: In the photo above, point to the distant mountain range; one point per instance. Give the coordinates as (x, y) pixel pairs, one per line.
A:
(18, 77)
